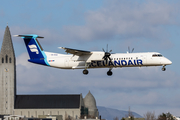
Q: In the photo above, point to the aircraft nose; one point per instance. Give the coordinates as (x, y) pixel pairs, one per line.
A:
(168, 62)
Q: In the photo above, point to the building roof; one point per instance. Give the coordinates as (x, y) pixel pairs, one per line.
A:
(7, 45)
(47, 101)
(89, 101)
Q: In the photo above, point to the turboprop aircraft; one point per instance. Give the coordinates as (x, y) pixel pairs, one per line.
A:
(81, 59)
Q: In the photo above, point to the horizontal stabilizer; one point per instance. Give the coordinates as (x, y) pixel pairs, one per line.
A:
(29, 36)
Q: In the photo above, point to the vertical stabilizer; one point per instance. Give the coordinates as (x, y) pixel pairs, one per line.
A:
(34, 49)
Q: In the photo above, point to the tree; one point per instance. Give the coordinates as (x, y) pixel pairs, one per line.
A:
(116, 118)
(167, 116)
(131, 118)
(150, 116)
(123, 118)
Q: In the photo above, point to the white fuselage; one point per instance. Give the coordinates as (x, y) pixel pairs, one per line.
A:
(95, 60)
(81, 59)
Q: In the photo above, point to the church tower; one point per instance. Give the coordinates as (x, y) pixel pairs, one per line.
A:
(90, 103)
(7, 75)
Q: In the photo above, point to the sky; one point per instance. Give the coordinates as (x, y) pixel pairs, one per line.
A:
(145, 25)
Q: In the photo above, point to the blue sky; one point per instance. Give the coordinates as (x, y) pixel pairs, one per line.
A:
(147, 26)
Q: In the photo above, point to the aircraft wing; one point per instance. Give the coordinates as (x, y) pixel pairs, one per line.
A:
(76, 52)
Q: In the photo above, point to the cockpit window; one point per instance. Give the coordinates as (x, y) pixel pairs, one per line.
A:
(156, 55)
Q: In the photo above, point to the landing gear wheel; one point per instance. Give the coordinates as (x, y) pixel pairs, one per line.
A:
(85, 72)
(109, 73)
(163, 69)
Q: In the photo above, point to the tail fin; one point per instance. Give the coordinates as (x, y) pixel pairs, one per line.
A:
(34, 49)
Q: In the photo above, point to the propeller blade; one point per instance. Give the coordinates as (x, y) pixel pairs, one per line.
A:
(103, 49)
(106, 61)
(132, 50)
(111, 60)
(107, 48)
(107, 55)
(128, 49)
(103, 57)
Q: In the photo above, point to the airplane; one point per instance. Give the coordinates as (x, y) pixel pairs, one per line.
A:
(81, 59)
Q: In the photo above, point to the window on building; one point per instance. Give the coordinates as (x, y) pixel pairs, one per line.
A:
(6, 59)
(2, 60)
(9, 60)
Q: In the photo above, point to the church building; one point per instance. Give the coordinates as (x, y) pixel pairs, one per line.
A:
(61, 107)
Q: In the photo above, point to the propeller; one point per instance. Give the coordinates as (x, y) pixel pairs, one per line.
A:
(131, 50)
(107, 54)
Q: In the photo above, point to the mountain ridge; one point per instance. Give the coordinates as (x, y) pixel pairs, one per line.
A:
(110, 113)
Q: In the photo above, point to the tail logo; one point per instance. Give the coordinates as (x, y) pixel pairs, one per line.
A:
(33, 48)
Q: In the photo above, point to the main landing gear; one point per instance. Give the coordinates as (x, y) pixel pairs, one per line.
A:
(163, 68)
(109, 73)
(85, 72)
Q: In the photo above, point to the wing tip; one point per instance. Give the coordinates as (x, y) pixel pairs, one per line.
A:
(16, 35)
(61, 47)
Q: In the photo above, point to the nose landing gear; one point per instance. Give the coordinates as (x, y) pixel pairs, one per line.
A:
(163, 68)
